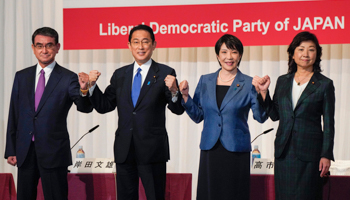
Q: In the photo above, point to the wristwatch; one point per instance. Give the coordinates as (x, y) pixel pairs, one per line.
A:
(174, 96)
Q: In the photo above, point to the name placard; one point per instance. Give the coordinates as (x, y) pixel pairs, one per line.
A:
(93, 165)
(262, 166)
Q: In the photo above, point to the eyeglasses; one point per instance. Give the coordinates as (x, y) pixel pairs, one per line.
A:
(145, 43)
(47, 46)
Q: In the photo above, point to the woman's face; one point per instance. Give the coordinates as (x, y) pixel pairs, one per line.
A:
(305, 55)
(228, 58)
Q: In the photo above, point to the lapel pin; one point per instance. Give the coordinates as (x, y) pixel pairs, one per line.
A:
(237, 85)
(148, 82)
(312, 82)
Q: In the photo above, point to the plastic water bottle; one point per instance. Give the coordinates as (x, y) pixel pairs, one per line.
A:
(80, 152)
(255, 153)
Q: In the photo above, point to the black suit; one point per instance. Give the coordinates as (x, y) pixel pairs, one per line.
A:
(51, 148)
(141, 127)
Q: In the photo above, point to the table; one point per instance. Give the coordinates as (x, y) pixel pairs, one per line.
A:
(103, 186)
(7, 187)
(178, 186)
(262, 187)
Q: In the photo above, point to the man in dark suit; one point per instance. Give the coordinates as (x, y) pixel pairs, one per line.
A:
(37, 136)
(141, 147)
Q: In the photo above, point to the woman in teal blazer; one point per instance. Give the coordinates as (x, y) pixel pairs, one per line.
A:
(223, 100)
(302, 98)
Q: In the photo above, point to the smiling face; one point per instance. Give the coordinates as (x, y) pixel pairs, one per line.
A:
(45, 49)
(228, 58)
(305, 55)
(141, 46)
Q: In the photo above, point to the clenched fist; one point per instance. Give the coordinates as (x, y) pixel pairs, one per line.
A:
(84, 80)
(170, 82)
(261, 85)
(184, 89)
(12, 160)
(93, 77)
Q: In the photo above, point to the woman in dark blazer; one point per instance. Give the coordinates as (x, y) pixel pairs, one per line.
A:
(302, 98)
(223, 100)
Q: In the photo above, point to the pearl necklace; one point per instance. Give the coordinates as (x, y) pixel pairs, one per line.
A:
(227, 80)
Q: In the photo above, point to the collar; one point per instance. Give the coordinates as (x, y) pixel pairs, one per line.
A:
(48, 69)
(145, 67)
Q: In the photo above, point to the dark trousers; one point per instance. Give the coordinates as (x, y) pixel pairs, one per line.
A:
(54, 180)
(153, 177)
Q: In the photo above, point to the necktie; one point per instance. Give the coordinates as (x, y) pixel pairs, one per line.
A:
(136, 87)
(39, 91)
(40, 88)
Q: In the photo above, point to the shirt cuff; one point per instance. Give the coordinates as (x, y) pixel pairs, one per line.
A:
(91, 90)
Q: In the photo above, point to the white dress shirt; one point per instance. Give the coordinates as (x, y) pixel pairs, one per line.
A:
(48, 69)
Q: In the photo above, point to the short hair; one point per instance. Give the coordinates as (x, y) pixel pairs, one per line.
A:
(297, 40)
(142, 27)
(231, 42)
(45, 31)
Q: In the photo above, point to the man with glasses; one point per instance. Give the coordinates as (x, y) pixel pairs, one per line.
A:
(37, 137)
(140, 91)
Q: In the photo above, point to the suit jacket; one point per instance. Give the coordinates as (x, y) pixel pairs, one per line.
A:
(303, 124)
(229, 123)
(49, 122)
(143, 124)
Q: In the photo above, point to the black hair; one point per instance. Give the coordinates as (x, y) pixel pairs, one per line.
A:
(45, 31)
(142, 27)
(231, 42)
(297, 40)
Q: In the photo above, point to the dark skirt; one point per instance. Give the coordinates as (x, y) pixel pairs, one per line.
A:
(296, 179)
(223, 175)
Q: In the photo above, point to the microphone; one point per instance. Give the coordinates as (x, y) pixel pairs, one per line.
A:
(93, 128)
(84, 135)
(262, 133)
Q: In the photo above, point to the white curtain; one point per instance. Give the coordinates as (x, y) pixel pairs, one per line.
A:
(20, 18)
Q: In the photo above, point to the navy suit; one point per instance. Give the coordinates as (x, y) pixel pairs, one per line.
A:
(48, 124)
(142, 126)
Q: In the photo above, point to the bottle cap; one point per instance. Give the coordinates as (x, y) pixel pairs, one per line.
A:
(80, 147)
(256, 146)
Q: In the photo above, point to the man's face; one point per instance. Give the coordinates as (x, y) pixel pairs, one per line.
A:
(141, 46)
(45, 49)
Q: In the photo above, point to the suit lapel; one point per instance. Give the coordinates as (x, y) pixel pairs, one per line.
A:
(54, 79)
(128, 79)
(31, 83)
(287, 90)
(211, 86)
(234, 89)
(310, 88)
(151, 78)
